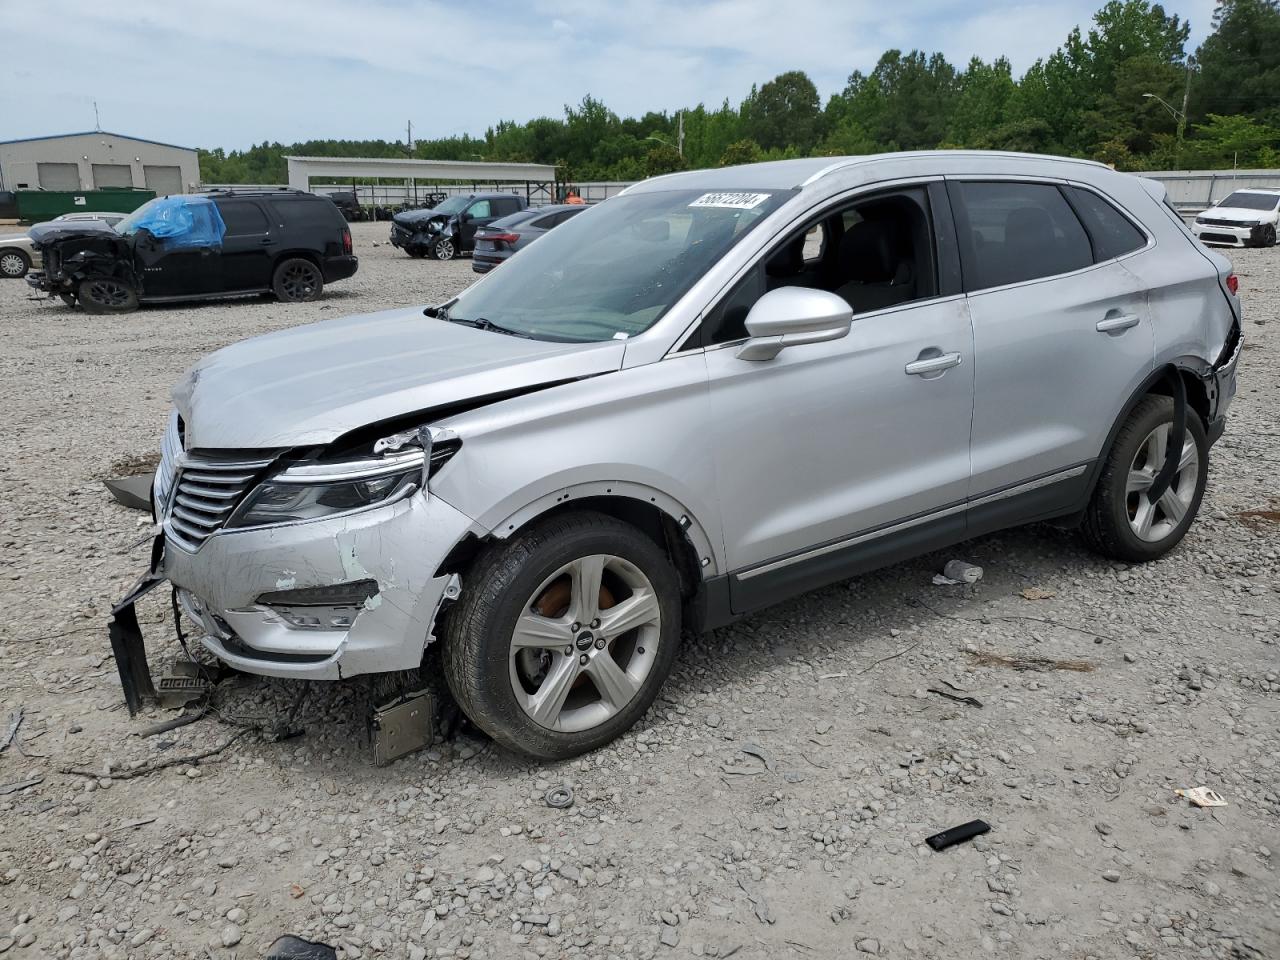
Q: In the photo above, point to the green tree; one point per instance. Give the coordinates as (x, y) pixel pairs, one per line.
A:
(1239, 63)
(1230, 140)
(784, 112)
(904, 103)
(984, 94)
(740, 152)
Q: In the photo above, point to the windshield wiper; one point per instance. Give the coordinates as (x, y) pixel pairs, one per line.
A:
(484, 324)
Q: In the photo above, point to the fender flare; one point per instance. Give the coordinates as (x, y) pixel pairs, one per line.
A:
(618, 490)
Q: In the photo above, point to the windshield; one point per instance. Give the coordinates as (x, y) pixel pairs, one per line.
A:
(1251, 201)
(452, 205)
(128, 226)
(612, 271)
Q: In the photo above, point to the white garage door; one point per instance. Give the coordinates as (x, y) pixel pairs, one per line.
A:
(163, 180)
(58, 176)
(112, 175)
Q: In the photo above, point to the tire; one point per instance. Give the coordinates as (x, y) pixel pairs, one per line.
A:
(106, 295)
(1115, 518)
(1269, 236)
(297, 281)
(14, 263)
(416, 252)
(444, 249)
(530, 580)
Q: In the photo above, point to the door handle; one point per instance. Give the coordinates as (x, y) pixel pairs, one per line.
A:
(1115, 324)
(922, 368)
(265, 240)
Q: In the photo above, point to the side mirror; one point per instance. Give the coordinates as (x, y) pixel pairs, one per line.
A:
(791, 316)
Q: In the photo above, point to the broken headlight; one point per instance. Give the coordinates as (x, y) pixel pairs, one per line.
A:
(399, 466)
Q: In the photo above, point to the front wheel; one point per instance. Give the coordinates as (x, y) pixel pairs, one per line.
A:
(1269, 236)
(564, 635)
(444, 249)
(297, 281)
(14, 263)
(106, 295)
(1122, 521)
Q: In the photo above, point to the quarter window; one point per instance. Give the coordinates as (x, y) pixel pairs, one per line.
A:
(1112, 233)
(1014, 232)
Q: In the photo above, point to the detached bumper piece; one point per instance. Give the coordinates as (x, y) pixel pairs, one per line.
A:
(128, 648)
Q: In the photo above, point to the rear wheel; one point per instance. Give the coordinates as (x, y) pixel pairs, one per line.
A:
(1122, 521)
(14, 263)
(564, 635)
(297, 281)
(444, 249)
(106, 295)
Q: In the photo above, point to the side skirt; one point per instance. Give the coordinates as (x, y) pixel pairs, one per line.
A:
(726, 598)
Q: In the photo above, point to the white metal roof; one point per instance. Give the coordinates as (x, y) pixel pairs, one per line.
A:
(302, 169)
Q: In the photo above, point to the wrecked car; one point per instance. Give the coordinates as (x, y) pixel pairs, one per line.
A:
(713, 392)
(197, 247)
(449, 229)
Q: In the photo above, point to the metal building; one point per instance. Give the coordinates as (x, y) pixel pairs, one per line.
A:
(97, 159)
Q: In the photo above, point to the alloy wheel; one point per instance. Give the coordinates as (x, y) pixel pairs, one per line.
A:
(444, 249)
(111, 294)
(1150, 521)
(299, 281)
(12, 265)
(585, 642)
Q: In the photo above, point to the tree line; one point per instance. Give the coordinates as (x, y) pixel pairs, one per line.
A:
(1114, 92)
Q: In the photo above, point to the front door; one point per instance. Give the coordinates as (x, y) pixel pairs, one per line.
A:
(479, 214)
(167, 268)
(831, 456)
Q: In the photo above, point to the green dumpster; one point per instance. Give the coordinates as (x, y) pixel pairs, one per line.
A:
(35, 206)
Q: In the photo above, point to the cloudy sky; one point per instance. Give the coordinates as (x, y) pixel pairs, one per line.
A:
(234, 72)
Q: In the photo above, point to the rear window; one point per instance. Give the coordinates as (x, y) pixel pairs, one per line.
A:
(1244, 200)
(243, 217)
(302, 214)
(1113, 234)
(1015, 232)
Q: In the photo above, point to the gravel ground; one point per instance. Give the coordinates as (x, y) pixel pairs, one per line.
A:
(772, 804)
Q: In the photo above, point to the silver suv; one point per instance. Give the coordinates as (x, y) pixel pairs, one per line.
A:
(710, 393)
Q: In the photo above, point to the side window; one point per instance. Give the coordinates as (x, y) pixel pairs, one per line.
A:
(303, 214)
(243, 218)
(876, 252)
(1112, 233)
(479, 209)
(546, 223)
(1013, 232)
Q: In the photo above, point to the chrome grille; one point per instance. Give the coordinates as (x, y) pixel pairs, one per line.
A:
(170, 450)
(209, 489)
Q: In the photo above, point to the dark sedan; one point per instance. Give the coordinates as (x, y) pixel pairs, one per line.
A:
(502, 238)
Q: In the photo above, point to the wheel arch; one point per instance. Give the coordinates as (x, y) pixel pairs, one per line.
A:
(659, 516)
(1191, 369)
(310, 255)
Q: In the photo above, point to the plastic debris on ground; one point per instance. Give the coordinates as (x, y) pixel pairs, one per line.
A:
(1202, 797)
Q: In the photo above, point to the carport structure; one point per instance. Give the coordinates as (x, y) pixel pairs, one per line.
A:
(538, 179)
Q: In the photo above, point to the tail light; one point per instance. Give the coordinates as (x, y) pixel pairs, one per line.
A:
(1233, 284)
(503, 237)
(346, 241)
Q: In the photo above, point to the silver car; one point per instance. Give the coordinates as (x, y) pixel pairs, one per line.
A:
(710, 393)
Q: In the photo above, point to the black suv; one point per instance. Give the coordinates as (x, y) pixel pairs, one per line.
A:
(447, 230)
(198, 246)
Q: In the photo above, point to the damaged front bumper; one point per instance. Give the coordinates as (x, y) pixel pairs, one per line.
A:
(317, 600)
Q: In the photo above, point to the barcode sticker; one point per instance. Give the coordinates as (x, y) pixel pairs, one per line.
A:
(731, 201)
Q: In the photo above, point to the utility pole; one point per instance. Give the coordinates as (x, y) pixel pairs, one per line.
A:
(97, 124)
(1182, 118)
(680, 132)
(409, 136)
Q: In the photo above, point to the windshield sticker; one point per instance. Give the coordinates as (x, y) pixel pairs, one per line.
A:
(731, 201)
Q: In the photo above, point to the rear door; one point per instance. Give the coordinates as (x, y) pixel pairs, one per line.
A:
(1062, 337)
(248, 246)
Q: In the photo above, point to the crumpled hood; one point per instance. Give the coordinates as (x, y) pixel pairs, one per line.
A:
(54, 231)
(312, 384)
(417, 219)
(1240, 214)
